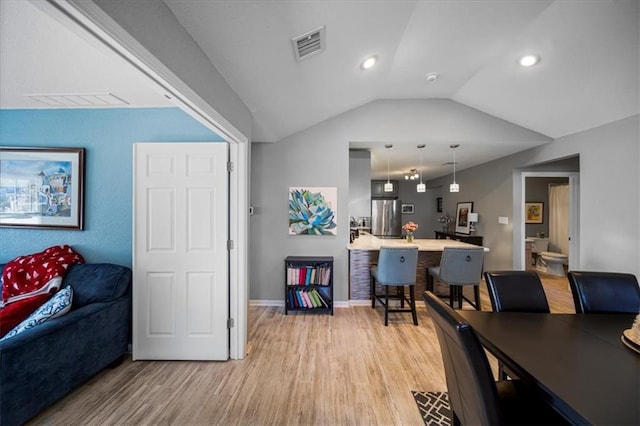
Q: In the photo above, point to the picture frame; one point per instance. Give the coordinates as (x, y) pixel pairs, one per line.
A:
(313, 210)
(534, 212)
(463, 226)
(42, 187)
(408, 208)
(439, 205)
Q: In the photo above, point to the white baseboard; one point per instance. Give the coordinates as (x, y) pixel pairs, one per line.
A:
(266, 303)
(342, 304)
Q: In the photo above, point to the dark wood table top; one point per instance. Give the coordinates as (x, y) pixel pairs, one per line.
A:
(578, 361)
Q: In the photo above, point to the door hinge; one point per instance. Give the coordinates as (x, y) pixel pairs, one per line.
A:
(230, 323)
(229, 244)
(229, 166)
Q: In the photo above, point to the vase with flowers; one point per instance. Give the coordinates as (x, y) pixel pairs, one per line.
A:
(410, 228)
(445, 220)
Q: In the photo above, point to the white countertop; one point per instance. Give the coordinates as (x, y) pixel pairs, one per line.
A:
(369, 242)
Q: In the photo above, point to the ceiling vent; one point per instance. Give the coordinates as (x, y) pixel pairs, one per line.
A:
(309, 44)
(76, 100)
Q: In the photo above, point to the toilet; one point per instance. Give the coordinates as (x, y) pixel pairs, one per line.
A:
(552, 263)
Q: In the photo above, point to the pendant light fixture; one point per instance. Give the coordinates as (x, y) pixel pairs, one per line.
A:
(454, 187)
(421, 187)
(388, 187)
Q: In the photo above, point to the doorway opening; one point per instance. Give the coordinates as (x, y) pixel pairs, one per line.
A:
(567, 241)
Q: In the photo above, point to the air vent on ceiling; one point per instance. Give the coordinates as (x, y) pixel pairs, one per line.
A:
(309, 44)
(76, 100)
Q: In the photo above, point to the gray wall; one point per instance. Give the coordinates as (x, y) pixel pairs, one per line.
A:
(537, 191)
(359, 184)
(319, 156)
(156, 28)
(608, 208)
(609, 225)
(425, 214)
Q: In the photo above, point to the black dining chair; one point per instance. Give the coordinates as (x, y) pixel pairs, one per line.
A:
(397, 268)
(515, 291)
(604, 292)
(475, 397)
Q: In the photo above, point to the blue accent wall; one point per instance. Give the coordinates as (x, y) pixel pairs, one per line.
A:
(108, 136)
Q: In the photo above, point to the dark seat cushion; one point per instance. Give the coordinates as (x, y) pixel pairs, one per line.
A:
(97, 282)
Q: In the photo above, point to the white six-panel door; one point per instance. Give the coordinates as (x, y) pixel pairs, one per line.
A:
(180, 258)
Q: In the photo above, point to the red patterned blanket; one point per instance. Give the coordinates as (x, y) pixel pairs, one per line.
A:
(38, 273)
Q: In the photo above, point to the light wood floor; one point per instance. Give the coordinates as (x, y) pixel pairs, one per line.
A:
(300, 370)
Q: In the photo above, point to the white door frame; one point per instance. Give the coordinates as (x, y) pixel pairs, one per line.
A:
(519, 228)
(89, 21)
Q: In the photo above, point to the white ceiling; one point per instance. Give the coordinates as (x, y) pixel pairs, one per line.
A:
(588, 75)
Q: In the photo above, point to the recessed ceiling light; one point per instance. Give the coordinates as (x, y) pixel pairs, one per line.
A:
(529, 60)
(432, 76)
(369, 62)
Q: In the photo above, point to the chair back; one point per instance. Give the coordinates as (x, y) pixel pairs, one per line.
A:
(397, 265)
(604, 292)
(516, 291)
(472, 390)
(461, 266)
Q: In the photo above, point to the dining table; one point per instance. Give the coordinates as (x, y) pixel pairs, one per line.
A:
(578, 362)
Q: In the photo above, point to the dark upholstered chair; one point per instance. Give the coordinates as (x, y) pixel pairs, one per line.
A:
(397, 267)
(459, 267)
(601, 292)
(476, 399)
(515, 291)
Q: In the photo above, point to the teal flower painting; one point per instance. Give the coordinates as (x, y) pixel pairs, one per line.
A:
(312, 211)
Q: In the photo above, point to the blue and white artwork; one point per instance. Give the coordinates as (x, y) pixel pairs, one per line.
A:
(41, 187)
(313, 211)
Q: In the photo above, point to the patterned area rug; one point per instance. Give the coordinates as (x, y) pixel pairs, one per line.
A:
(434, 407)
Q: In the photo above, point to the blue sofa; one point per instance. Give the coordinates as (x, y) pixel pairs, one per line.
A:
(43, 364)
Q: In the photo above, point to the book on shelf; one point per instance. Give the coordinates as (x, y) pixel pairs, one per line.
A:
(308, 275)
(307, 298)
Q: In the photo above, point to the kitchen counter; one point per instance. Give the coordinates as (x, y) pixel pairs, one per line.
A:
(363, 253)
(369, 242)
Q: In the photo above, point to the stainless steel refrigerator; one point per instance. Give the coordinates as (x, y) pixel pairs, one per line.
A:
(386, 218)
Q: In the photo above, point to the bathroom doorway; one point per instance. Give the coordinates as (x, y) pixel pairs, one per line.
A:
(548, 199)
(567, 241)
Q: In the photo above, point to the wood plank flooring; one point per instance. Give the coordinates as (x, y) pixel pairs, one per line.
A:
(300, 370)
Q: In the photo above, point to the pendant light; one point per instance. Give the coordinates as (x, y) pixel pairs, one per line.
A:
(421, 187)
(388, 187)
(454, 187)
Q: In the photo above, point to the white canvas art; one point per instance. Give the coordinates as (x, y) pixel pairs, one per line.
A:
(313, 211)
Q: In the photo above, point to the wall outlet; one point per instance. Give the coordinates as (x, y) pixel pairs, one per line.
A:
(503, 220)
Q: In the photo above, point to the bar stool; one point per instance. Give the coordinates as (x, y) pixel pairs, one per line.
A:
(397, 268)
(459, 266)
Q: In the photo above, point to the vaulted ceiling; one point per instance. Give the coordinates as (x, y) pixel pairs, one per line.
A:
(588, 74)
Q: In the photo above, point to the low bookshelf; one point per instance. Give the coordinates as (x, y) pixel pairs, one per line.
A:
(308, 284)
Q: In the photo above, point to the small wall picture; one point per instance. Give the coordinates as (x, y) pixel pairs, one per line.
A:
(407, 208)
(313, 211)
(463, 226)
(439, 205)
(534, 212)
(42, 187)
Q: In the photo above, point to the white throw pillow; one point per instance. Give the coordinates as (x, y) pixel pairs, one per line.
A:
(55, 307)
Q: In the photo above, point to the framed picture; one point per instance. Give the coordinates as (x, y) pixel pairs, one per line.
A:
(439, 205)
(407, 208)
(463, 226)
(42, 188)
(534, 212)
(313, 211)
